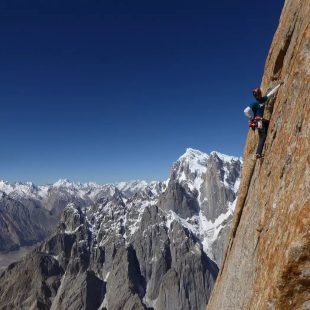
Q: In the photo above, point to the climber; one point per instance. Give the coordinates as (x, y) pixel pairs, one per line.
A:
(255, 113)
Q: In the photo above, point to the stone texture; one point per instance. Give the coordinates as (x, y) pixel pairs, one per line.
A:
(79, 291)
(23, 223)
(179, 200)
(38, 271)
(268, 256)
(215, 196)
(186, 285)
(87, 269)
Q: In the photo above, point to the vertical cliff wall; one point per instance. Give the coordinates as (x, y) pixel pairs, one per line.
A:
(267, 263)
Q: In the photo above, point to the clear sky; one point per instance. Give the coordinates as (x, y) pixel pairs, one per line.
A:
(109, 90)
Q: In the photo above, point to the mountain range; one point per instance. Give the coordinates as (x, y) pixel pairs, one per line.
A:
(129, 245)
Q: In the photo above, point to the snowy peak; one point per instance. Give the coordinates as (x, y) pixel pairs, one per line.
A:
(136, 184)
(191, 168)
(192, 154)
(19, 188)
(54, 197)
(201, 192)
(5, 187)
(64, 183)
(225, 158)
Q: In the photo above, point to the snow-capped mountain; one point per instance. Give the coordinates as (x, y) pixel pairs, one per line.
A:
(28, 213)
(133, 244)
(202, 189)
(84, 191)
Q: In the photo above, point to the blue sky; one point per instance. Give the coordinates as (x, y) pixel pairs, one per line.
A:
(108, 90)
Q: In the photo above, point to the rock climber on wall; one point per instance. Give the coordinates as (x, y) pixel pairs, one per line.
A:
(255, 112)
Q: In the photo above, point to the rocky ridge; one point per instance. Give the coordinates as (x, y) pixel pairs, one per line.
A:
(29, 213)
(267, 262)
(142, 251)
(23, 222)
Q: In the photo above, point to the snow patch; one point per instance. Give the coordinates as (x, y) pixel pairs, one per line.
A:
(207, 231)
(226, 158)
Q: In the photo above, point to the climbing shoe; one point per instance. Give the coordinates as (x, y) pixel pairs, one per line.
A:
(257, 156)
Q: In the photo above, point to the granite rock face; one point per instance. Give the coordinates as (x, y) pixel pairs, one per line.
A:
(214, 196)
(179, 200)
(41, 273)
(268, 256)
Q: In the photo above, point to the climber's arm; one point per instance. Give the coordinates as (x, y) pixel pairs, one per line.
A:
(248, 112)
(273, 91)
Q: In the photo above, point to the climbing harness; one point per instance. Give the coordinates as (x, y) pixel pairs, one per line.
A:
(256, 121)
